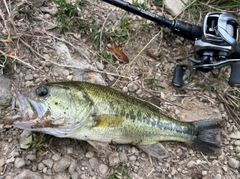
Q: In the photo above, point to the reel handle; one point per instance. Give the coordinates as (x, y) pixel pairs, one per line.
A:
(178, 76)
(234, 79)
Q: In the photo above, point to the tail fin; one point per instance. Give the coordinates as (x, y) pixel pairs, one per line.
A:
(206, 135)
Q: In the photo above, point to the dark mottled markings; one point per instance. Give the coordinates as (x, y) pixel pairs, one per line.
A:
(147, 119)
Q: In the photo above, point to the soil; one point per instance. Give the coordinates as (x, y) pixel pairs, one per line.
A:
(49, 52)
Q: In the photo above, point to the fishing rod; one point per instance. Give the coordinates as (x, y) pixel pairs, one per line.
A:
(216, 42)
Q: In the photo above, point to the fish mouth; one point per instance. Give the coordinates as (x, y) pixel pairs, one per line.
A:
(31, 111)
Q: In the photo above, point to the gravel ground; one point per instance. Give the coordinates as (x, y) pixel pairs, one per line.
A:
(51, 53)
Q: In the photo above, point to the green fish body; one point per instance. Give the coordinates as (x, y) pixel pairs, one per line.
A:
(92, 112)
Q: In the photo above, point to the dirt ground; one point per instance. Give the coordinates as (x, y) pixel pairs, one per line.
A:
(49, 52)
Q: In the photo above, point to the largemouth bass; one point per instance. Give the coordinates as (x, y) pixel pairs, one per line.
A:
(97, 113)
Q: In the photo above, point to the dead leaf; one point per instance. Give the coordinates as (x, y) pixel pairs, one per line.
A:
(150, 54)
(8, 39)
(118, 54)
(11, 53)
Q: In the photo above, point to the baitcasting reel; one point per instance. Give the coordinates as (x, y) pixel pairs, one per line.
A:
(213, 50)
(216, 43)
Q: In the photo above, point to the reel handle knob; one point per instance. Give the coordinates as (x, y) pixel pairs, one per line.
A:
(234, 79)
(178, 76)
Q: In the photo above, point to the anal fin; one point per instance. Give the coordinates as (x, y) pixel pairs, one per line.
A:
(156, 150)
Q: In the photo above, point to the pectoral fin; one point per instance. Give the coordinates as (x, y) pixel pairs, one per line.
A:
(155, 150)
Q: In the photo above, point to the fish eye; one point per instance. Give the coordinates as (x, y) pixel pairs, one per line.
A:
(41, 91)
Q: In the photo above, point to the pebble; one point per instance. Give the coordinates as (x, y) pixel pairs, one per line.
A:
(123, 157)
(56, 156)
(25, 138)
(62, 164)
(235, 135)
(191, 164)
(28, 174)
(53, 10)
(99, 65)
(233, 163)
(90, 154)
(31, 157)
(28, 77)
(48, 163)
(75, 175)
(218, 176)
(204, 172)
(94, 163)
(237, 142)
(103, 169)
(225, 168)
(132, 87)
(135, 150)
(174, 171)
(125, 89)
(132, 158)
(5, 97)
(19, 162)
(72, 167)
(34, 168)
(113, 159)
(2, 162)
(40, 166)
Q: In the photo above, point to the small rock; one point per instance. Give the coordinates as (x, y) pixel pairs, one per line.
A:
(172, 98)
(62, 164)
(204, 172)
(99, 65)
(2, 162)
(34, 168)
(5, 95)
(40, 166)
(125, 89)
(90, 154)
(19, 162)
(93, 162)
(29, 77)
(56, 156)
(53, 10)
(25, 174)
(233, 163)
(173, 172)
(65, 73)
(37, 3)
(31, 157)
(132, 87)
(25, 138)
(75, 175)
(225, 168)
(235, 135)
(175, 7)
(191, 164)
(123, 157)
(132, 158)
(103, 169)
(72, 167)
(237, 142)
(113, 159)
(48, 163)
(218, 176)
(70, 150)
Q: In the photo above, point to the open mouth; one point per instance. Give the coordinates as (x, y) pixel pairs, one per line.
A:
(24, 106)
